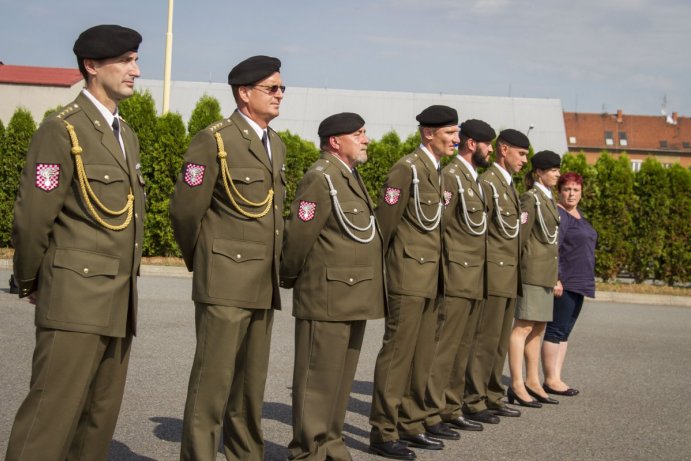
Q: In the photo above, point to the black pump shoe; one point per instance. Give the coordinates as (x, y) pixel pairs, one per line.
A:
(540, 398)
(511, 395)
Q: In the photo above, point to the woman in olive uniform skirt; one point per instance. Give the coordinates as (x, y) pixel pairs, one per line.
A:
(539, 258)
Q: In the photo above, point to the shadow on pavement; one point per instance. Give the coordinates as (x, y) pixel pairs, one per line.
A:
(121, 452)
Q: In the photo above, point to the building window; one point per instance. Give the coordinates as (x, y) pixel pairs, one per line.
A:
(572, 140)
(623, 141)
(663, 144)
(609, 138)
(636, 165)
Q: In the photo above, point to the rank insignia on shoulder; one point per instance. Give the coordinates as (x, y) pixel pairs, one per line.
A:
(392, 195)
(47, 176)
(307, 210)
(524, 217)
(194, 174)
(447, 197)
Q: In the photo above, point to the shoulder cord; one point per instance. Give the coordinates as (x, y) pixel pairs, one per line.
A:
(343, 219)
(434, 221)
(225, 173)
(550, 237)
(503, 224)
(88, 194)
(469, 223)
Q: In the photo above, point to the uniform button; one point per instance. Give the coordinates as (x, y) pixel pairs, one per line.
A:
(501, 263)
(86, 270)
(106, 177)
(247, 178)
(350, 279)
(239, 256)
(422, 259)
(275, 207)
(277, 232)
(136, 216)
(354, 210)
(465, 263)
(429, 201)
(136, 245)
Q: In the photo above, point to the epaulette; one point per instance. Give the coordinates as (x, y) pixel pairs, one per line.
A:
(218, 125)
(68, 110)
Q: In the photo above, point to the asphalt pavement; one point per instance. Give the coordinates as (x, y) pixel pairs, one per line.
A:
(631, 362)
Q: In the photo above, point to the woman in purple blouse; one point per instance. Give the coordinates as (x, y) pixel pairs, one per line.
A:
(577, 240)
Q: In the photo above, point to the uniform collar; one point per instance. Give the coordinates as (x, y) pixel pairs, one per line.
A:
(432, 158)
(546, 191)
(470, 168)
(107, 115)
(504, 173)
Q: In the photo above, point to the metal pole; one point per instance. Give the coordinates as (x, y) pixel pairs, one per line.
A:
(168, 59)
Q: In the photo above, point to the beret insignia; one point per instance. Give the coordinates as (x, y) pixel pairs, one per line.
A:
(307, 210)
(194, 174)
(47, 176)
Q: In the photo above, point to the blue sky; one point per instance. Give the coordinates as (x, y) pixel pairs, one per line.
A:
(591, 54)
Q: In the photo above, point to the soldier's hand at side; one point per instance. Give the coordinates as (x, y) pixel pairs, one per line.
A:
(33, 298)
(558, 289)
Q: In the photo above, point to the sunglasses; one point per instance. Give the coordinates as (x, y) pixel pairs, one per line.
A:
(271, 89)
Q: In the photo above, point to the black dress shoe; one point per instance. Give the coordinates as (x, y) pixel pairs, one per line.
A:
(394, 449)
(464, 424)
(511, 395)
(422, 441)
(568, 392)
(540, 398)
(506, 411)
(484, 416)
(442, 431)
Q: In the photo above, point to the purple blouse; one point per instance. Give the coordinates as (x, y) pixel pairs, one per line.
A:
(577, 240)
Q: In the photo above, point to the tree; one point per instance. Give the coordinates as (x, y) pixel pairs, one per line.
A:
(139, 111)
(611, 215)
(207, 111)
(50, 112)
(14, 147)
(160, 167)
(300, 154)
(381, 155)
(652, 208)
(578, 164)
(675, 261)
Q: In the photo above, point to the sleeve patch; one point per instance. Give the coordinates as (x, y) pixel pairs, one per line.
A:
(447, 197)
(307, 210)
(524, 217)
(47, 176)
(392, 195)
(194, 174)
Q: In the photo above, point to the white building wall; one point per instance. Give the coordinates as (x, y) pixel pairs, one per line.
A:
(37, 99)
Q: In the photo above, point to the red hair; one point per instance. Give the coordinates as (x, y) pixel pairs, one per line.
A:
(568, 177)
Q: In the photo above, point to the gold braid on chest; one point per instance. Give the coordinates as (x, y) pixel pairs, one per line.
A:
(228, 184)
(88, 194)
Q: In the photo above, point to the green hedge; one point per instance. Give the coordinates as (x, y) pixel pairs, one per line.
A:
(643, 219)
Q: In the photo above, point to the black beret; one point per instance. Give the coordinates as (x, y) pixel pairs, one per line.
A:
(545, 159)
(435, 116)
(106, 41)
(253, 69)
(343, 123)
(478, 130)
(515, 138)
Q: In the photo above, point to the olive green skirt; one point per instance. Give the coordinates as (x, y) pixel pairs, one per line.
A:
(536, 304)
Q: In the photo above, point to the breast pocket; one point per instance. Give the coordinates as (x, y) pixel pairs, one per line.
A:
(110, 185)
(251, 184)
(356, 213)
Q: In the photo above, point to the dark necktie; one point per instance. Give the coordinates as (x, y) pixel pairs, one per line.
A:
(116, 132)
(265, 142)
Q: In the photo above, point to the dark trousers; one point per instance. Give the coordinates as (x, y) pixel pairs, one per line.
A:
(567, 308)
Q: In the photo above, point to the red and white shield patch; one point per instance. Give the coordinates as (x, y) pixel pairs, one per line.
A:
(447, 197)
(307, 210)
(194, 174)
(47, 176)
(392, 195)
(524, 217)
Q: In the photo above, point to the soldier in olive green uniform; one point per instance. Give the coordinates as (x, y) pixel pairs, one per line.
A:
(226, 216)
(333, 260)
(465, 246)
(484, 393)
(409, 213)
(78, 230)
(539, 259)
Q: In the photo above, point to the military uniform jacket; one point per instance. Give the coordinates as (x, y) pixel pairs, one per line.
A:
(540, 255)
(333, 276)
(465, 233)
(234, 257)
(413, 253)
(85, 274)
(503, 242)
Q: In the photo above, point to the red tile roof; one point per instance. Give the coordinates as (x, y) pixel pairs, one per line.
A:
(41, 76)
(649, 133)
